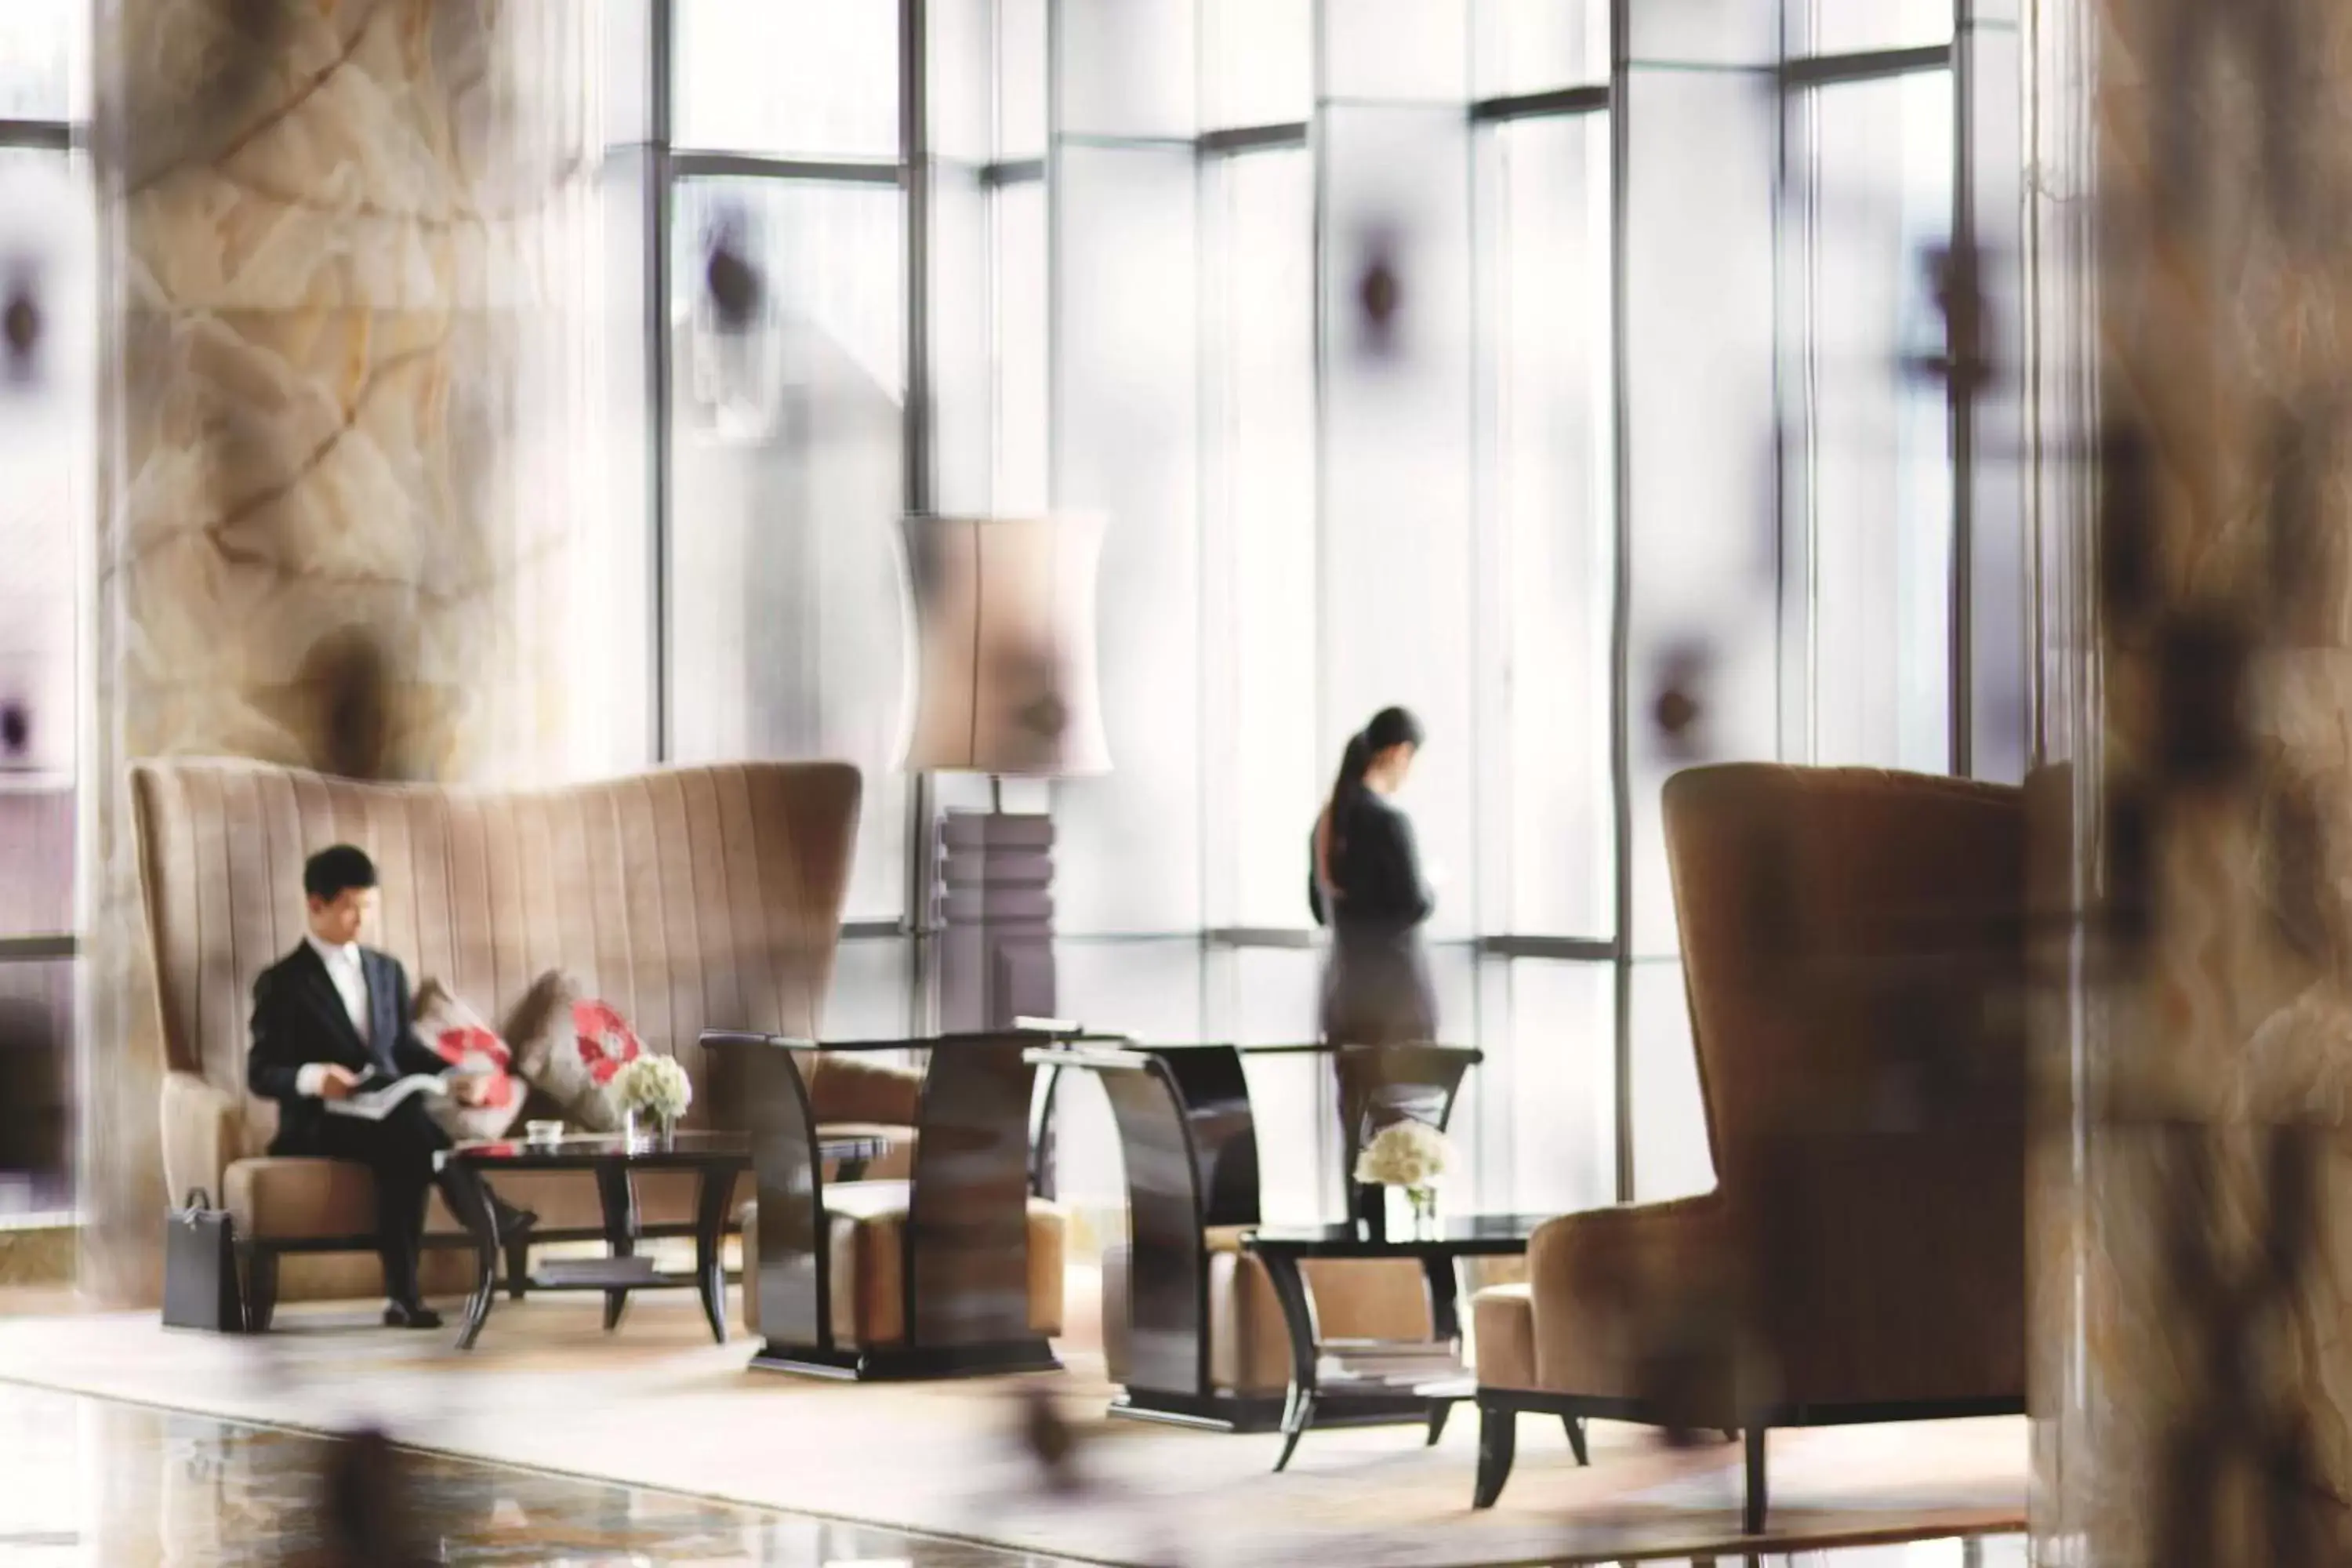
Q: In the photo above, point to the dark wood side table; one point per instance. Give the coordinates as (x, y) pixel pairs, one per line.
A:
(715, 1158)
(1433, 1373)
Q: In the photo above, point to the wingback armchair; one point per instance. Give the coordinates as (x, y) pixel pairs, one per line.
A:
(1854, 947)
(687, 897)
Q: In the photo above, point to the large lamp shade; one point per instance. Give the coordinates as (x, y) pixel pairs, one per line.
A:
(1002, 617)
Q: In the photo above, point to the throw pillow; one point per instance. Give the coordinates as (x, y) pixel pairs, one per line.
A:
(455, 1033)
(569, 1047)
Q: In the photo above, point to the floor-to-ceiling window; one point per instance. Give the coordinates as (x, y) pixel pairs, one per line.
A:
(1330, 309)
(1871, 186)
(1413, 351)
(46, 350)
(786, 327)
(1262, 608)
(1544, 682)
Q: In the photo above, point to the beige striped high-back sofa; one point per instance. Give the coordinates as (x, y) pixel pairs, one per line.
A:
(689, 898)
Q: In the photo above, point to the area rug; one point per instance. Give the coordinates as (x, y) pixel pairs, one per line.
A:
(658, 1405)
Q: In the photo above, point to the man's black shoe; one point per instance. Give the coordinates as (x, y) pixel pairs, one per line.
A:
(410, 1315)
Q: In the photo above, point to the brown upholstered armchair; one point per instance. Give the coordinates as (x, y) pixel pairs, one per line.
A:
(687, 897)
(1854, 949)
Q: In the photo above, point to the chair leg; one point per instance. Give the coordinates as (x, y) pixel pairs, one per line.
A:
(261, 1290)
(1575, 1424)
(1499, 1433)
(517, 1269)
(1752, 1519)
(1440, 1412)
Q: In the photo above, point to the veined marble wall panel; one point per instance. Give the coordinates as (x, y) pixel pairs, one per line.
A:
(350, 489)
(2198, 1395)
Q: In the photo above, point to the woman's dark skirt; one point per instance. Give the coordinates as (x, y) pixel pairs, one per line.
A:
(1377, 991)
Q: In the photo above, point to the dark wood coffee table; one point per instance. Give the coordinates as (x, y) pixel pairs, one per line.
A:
(1388, 1381)
(715, 1158)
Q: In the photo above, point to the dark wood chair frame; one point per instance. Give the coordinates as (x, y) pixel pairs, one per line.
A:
(966, 1269)
(1380, 1085)
(1500, 1408)
(1190, 1140)
(1361, 1072)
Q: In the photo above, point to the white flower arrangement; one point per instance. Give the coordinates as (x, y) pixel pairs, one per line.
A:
(1409, 1154)
(652, 1084)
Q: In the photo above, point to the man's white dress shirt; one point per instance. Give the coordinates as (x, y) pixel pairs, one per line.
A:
(349, 977)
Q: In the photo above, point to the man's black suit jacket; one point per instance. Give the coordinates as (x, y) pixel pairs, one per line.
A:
(298, 1018)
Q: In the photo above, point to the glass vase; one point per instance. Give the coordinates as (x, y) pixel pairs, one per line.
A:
(644, 1129)
(1407, 1212)
(1425, 1209)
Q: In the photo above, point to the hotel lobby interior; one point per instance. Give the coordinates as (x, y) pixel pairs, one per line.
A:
(1208, 783)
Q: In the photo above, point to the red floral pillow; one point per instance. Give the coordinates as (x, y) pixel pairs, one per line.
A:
(603, 1040)
(568, 1046)
(455, 1033)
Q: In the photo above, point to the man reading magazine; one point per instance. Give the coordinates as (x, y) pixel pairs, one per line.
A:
(331, 1017)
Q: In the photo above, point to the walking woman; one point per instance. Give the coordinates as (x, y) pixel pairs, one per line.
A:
(1366, 885)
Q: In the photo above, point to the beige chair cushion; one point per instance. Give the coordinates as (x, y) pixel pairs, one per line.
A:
(1503, 1323)
(301, 1200)
(868, 1279)
(204, 1134)
(1249, 1346)
(275, 1199)
(848, 1087)
(1613, 1288)
(444, 1272)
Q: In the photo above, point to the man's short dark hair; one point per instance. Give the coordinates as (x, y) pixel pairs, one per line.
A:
(327, 874)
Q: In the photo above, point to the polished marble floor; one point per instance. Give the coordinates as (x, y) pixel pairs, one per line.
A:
(93, 1483)
(96, 1484)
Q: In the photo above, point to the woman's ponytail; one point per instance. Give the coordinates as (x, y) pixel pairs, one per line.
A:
(1355, 762)
(1390, 727)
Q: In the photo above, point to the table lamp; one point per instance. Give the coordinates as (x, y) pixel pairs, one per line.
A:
(1001, 616)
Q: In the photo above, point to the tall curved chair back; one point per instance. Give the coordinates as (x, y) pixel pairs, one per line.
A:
(1382, 1085)
(687, 897)
(1855, 948)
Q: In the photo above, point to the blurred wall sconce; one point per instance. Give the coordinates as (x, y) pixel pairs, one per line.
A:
(1003, 683)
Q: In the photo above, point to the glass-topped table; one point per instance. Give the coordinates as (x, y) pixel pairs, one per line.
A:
(1430, 1371)
(715, 1158)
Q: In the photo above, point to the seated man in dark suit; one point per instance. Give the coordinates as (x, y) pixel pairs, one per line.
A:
(330, 1016)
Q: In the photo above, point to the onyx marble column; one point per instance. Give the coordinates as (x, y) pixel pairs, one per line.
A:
(2194, 1202)
(347, 265)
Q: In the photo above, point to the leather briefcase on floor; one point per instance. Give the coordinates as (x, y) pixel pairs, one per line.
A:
(200, 1283)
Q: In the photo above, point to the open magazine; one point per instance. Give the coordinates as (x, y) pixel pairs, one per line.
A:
(378, 1098)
